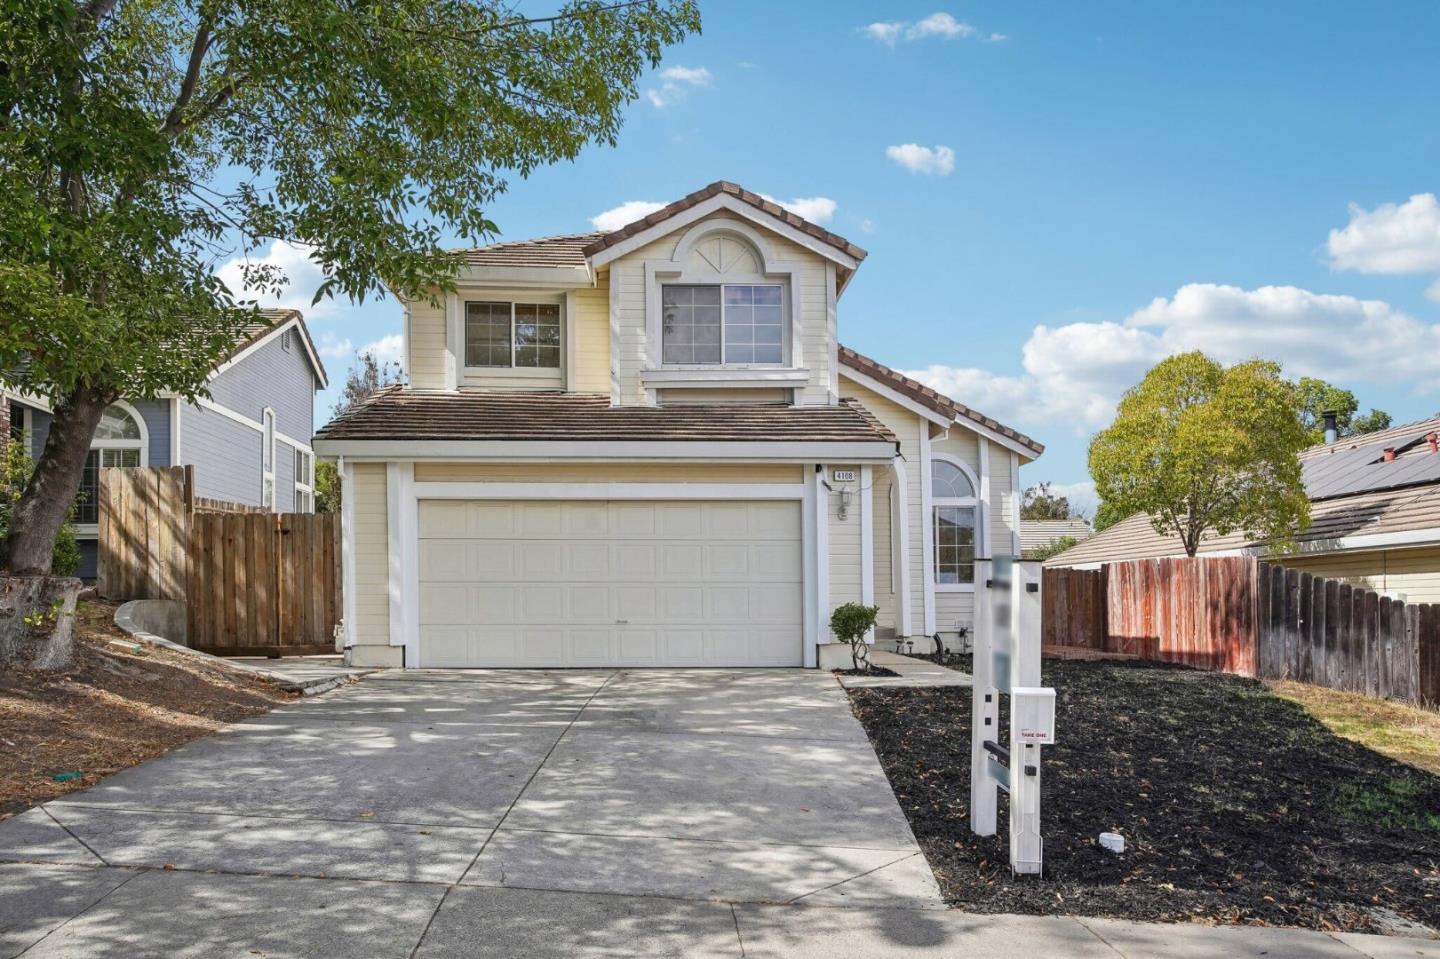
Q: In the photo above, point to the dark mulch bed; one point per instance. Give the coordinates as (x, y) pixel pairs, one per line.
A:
(1236, 805)
(872, 671)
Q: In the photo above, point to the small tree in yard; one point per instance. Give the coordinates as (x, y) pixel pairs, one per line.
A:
(1041, 502)
(851, 623)
(15, 469)
(327, 487)
(143, 143)
(1201, 448)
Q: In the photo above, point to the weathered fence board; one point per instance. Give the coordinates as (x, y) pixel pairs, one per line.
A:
(254, 582)
(1240, 615)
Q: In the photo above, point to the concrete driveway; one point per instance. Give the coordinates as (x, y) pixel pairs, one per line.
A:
(567, 814)
(711, 787)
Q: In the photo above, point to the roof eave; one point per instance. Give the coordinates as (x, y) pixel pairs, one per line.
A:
(674, 451)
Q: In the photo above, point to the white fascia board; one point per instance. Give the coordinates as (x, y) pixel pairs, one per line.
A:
(1399, 539)
(244, 420)
(732, 204)
(609, 491)
(29, 399)
(599, 451)
(551, 277)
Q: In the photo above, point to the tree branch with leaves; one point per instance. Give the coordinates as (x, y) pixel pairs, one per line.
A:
(144, 142)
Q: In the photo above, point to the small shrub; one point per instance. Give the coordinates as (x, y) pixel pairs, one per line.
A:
(850, 622)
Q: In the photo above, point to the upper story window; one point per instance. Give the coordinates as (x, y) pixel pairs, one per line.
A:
(267, 459)
(953, 499)
(730, 323)
(119, 442)
(512, 335)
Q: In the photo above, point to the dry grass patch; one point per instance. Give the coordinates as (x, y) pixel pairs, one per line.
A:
(113, 708)
(1407, 733)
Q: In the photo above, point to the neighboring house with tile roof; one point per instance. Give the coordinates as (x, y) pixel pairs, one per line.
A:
(1374, 518)
(647, 447)
(249, 440)
(1037, 534)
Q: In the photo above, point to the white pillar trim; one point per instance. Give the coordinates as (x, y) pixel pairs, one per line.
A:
(567, 325)
(822, 556)
(809, 600)
(1015, 505)
(403, 542)
(927, 532)
(986, 532)
(175, 447)
(902, 521)
(867, 541)
(347, 548)
(454, 340)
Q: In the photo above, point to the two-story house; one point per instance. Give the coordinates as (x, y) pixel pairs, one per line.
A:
(249, 439)
(648, 448)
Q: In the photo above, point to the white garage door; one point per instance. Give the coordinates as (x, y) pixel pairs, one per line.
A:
(619, 583)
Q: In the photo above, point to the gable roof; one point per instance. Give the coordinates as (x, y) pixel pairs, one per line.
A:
(931, 399)
(273, 322)
(726, 188)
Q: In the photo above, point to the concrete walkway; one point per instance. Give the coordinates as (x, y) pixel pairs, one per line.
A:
(913, 672)
(666, 813)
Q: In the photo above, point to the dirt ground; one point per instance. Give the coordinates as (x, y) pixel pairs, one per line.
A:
(113, 708)
(1236, 805)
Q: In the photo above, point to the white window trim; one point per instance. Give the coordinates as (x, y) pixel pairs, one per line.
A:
(91, 530)
(268, 435)
(308, 487)
(964, 502)
(455, 335)
(772, 271)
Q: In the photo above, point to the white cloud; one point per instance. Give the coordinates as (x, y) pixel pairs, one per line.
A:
(1432, 292)
(1074, 374)
(1392, 238)
(624, 214)
(676, 83)
(867, 225)
(292, 260)
(1081, 495)
(996, 38)
(332, 347)
(816, 209)
(695, 76)
(938, 24)
(387, 349)
(936, 161)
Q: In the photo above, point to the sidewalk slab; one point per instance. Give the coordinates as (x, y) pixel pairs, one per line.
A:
(182, 915)
(1137, 940)
(913, 672)
(35, 836)
(35, 899)
(477, 922)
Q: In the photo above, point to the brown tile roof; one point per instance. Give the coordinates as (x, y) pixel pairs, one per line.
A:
(399, 413)
(1386, 511)
(554, 251)
(928, 398)
(605, 240)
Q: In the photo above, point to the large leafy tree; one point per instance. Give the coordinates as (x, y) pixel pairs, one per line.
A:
(1041, 502)
(143, 141)
(1318, 396)
(1204, 449)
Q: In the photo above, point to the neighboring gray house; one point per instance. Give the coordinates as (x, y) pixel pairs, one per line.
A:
(249, 441)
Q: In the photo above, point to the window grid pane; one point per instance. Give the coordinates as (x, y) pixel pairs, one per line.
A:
(948, 481)
(954, 544)
(487, 334)
(87, 509)
(537, 335)
(690, 317)
(750, 321)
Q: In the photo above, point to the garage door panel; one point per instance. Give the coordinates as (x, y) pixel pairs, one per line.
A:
(543, 584)
(445, 560)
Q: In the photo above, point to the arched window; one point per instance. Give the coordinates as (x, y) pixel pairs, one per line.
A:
(120, 440)
(956, 522)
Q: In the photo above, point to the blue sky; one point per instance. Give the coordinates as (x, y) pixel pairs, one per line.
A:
(1076, 189)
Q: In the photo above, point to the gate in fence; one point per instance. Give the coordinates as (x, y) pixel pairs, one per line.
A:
(254, 583)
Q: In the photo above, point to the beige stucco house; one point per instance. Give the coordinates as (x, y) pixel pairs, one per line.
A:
(648, 448)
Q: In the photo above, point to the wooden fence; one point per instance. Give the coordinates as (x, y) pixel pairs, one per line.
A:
(254, 582)
(1253, 618)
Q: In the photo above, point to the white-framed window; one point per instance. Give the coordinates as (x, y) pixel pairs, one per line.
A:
(304, 482)
(955, 521)
(120, 441)
(740, 324)
(511, 335)
(267, 459)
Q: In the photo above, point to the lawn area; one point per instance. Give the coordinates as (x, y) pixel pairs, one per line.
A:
(113, 708)
(1236, 805)
(1406, 733)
